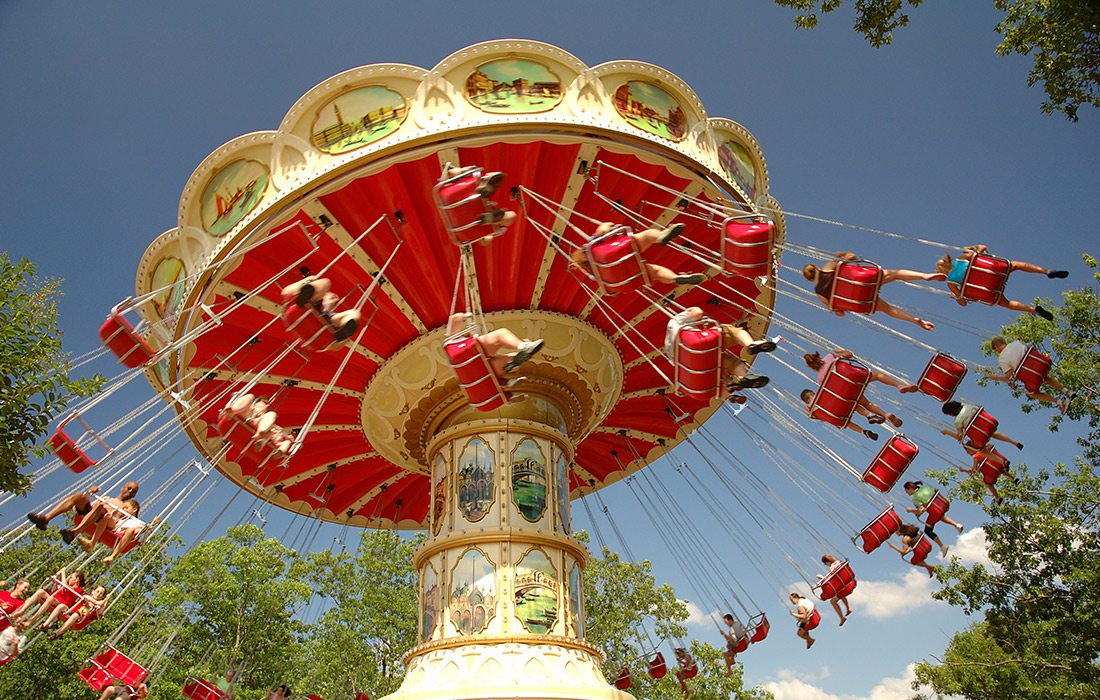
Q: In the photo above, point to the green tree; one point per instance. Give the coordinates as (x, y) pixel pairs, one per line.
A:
(356, 645)
(1062, 36)
(34, 371)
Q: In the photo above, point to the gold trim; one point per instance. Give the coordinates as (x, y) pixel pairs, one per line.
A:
(502, 536)
(493, 639)
(450, 589)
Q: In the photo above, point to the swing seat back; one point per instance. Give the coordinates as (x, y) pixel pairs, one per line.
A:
(112, 667)
(936, 509)
(840, 392)
(741, 645)
(984, 280)
(121, 338)
(307, 323)
(746, 247)
(941, 377)
(920, 549)
(838, 582)
(475, 375)
(66, 450)
(890, 463)
(461, 207)
(855, 287)
(1033, 369)
(882, 528)
(622, 681)
(690, 670)
(814, 621)
(86, 620)
(697, 360)
(657, 667)
(760, 627)
(991, 466)
(616, 262)
(108, 539)
(980, 429)
(199, 689)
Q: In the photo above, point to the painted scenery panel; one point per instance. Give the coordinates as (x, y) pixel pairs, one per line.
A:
(575, 599)
(473, 592)
(439, 493)
(513, 86)
(738, 164)
(651, 109)
(536, 592)
(561, 476)
(234, 191)
(168, 278)
(357, 118)
(476, 478)
(430, 603)
(529, 480)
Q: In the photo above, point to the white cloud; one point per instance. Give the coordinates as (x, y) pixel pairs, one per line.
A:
(973, 548)
(698, 618)
(884, 599)
(790, 687)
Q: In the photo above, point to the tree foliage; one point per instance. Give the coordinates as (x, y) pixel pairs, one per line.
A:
(34, 371)
(1062, 36)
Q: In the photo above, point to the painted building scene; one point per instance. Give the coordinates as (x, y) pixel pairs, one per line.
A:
(513, 86)
(357, 118)
(651, 109)
(536, 593)
(232, 194)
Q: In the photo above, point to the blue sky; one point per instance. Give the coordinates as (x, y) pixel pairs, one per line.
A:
(109, 107)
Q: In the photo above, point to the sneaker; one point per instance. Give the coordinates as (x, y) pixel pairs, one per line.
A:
(68, 536)
(1019, 446)
(870, 435)
(492, 217)
(694, 278)
(1043, 313)
(753, 381)
(876, 419)
(758, 346)
(512, 382)
(489, 183)
(1058, 274)
(959, 527)
(671, 233)
(527, 349)
(39, 521)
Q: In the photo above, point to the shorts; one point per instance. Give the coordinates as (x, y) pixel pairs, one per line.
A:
(85, 510)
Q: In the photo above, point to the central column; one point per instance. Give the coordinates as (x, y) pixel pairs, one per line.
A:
(501, 610)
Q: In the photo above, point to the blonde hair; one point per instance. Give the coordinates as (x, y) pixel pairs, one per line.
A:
(944, 263)
(808, 271)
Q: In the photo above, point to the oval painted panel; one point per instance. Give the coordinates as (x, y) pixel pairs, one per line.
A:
(473, 599)
(649, 108)
(529, 480)
(536, 586)
(429, 603)
(439, 493)
(737, 162)
(357, 118)
(513, 86)
(476, 480)
(168, 284)
(575, 600)
(232, 194)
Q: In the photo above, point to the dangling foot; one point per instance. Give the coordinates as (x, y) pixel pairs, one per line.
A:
(489, 183)
(810, 643)
(526, 350)
(1043, 313)
(758, 346)
(926, 325)
(694, 278)
(1019, 445)
(39, 521)
(670, 233)
(908, 389)
(842, 621)
(1058, 274)
(108, 560)
(894, 420)
(876, 419)
(870, 435)
(931, 571)
(68, 536)
(959, 527)
(943, 550)
(51, 636)
(85, 543)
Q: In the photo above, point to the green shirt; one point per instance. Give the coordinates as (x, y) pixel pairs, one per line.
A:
(923, 495)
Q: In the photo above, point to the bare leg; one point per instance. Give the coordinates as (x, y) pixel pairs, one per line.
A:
(1004, 438)
(497, 364)
(100, 528)
(891, 310)
(883, 378)
(660, 273)
(121, 544)
(836, 607)
(911, 276)
(35, 599)
(47, 606)
(952, 523)
(875, 408)
(1016, 265)
(240, 405)
(319, 286)
(73, 502)
(1016, 306)
(67, 625)
(58, 611)
(497, 340)
(265, 423)
(847, 607)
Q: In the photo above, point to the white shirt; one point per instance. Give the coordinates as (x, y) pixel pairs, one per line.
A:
(130, 523)
(11, 642)
(1009, 358)
(672, 330)
(806, 605)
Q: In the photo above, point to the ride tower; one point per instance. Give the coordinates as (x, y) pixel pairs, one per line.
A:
(384, 433)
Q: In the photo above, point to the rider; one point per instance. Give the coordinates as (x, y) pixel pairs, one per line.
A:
(733, 637)
(909, 535)
(64, 596)
(823, 278)
(734, 338)
(963, 413)
(1009, 356)
(82, 505)
(487, 184)
(865, 408)
(85, 611)
(955, 271)
(821, 365)
(804, 613)
(495, 341)
(317, 292)
(644, 240)
(833, 563)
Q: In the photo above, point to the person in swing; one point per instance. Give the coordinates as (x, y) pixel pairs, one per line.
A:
(735, 340)
(645, 240)
(864, 408)
(501, 340)
(833, 563)
(954, 271)
(316, 293)
(807, 617)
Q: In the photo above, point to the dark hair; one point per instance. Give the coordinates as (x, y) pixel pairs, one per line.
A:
(80, 577)
(909, 530)
(825, 558)
(802, 394)
(813, 360)
(912, 484)
(951, 408)
(728, 616)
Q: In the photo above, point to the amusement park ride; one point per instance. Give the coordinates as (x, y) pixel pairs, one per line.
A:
(344, 275)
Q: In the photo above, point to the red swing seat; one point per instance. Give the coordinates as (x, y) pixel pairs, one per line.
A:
(741, 644)
(920, 549)
(689, 670)
(980, 429)
(746, 247)
(837, 397)
(615, 262)
(199, 689)
(936, 509)
(839, 582)
(657, 667)
(86, 620)
(475, 375)
(941, 377)
(108, 538)
(814, 621)
(760, 627)
(622, 681)
(307, 323)
(984, 280)
(697, 359)
(855, 287)
(460, 206)
(239, 434)
(112, 667)
(1033, 369)
(890, 463)
(991, 466)
(67, 450)
(121, 338)
(882, 528)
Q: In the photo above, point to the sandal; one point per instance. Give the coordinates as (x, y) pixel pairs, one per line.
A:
(876, 419)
